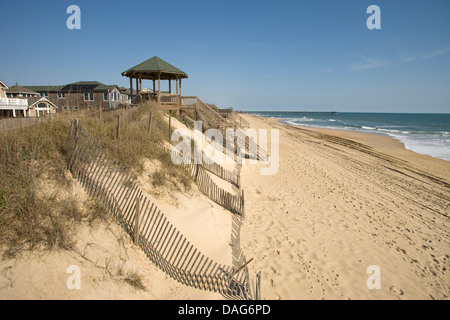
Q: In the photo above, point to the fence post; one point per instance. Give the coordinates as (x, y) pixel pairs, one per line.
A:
(150, 123)
(196, 171)
(170, 124)
(242, 205)
(136, 221)
(258, 286)
(118, 127)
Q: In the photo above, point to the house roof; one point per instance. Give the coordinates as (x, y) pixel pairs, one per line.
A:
(3, 85)
(20, 89)
(80, 86)
(87, 86)
(124, 90)
(153, 67)
(45, 88)
(32, 102)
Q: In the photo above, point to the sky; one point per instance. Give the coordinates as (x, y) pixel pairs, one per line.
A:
(250, 55)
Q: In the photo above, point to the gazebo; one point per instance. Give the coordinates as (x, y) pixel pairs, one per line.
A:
(156, 69)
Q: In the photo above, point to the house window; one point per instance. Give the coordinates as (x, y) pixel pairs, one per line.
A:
(44, 94)
(61, 95)
(89, 96)
(105, 96)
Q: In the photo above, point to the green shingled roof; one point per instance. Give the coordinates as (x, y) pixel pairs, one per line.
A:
(45, 88)
(154, 66)
(87, 86)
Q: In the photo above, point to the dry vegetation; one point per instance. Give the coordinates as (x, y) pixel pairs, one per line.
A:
(32, 156)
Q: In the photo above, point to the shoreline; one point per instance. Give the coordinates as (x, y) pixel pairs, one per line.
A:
(379, 141)
(282, 120)
(343, 201)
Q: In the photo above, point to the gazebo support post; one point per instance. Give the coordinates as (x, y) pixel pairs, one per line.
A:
(178, 95)
(131, 88)
(159, 87)
(137, 88)
(154, 87)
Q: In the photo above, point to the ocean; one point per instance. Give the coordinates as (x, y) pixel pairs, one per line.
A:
(427, 134)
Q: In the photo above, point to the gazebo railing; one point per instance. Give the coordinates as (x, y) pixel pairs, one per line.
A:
(169, 99)
(189, 101)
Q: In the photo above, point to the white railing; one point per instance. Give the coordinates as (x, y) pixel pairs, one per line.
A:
(188, 101)
(6, 102)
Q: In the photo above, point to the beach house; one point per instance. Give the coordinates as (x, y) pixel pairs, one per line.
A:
(10, 107)
(3, 88)
(18, 101)
(84, 95)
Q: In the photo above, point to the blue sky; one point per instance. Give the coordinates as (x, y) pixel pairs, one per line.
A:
(251, 55)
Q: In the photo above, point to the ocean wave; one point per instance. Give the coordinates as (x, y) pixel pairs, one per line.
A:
(417, 135)
(389, 130)
(303, 119)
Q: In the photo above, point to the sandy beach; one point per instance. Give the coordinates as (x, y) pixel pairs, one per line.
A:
(341, 202)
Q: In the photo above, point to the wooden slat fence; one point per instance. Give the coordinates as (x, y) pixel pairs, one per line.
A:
(228, 200)
(254, 149)
(109, 182)
(228, 175)
(17, 123)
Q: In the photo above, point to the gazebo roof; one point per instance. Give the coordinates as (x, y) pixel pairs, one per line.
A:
(153, 67)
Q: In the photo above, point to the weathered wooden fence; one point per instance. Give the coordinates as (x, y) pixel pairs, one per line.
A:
(17, 123)
(255, 151)
(109, 182)
(228, 200)
(228, 175)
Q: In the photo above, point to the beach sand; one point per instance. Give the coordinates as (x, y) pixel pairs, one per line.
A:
(107, 256)
(108, 260)
(342, 202)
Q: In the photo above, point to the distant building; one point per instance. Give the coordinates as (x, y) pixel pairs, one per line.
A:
(3, 88)
(36, 101)
(20, 92)
(40, 106)
(84, 95)
(18, 101)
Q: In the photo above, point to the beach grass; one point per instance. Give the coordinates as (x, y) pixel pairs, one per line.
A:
(34, 211)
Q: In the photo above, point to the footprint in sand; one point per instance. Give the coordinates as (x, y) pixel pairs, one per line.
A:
(396, 290)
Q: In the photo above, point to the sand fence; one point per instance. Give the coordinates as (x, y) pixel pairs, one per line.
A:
(108, 181)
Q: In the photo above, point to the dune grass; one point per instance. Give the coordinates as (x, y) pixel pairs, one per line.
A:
(31, 156)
